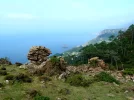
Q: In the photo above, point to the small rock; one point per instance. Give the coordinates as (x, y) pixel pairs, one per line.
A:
(61, 99)
(126, 91)
(115, 84)
(62, 76)
(7, 81)
(110, 95)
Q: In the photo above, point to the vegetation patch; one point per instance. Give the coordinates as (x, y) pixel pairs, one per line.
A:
(23, 78)
(1, 85)
(78, 80)
(32, 93)
(3, 72)
(55, 60)
(128, 71)
(3, 68)
(8, 98)
(64, 91)
(9, 77)
(103, 76)
(38, 97)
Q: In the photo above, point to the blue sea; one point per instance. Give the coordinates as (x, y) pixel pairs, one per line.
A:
(16, 46)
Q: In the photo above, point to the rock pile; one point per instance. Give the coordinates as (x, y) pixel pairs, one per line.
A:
(54, 68)
(96, 62)
(38, 54)
(41, 64)
(85, 69)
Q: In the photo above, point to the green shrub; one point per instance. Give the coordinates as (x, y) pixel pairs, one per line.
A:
(78, 80)
(23, 78)
(55, 60)
(128, 71)
(93, 63)
(111, 67)
(103, 76)
(9, 77)
(41, 98)
(1, 85)
(3, 72)
(3, 68)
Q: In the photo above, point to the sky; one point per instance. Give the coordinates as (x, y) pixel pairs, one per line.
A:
(53, 23)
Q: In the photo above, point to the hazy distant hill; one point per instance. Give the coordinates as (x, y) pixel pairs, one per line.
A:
(103, 36)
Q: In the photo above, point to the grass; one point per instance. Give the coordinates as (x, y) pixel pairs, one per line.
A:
(95, 91)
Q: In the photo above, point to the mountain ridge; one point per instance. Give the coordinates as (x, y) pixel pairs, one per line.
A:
(102, 36)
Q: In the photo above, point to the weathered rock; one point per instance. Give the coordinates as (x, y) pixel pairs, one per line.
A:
(23, 66)
(63, 76)
(38, 54)
(96, 62)
(110, 95)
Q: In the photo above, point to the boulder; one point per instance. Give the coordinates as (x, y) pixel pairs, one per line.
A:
(38, 54)
(96, 62)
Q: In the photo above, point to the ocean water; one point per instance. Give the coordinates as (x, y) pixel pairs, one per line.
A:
(16, 46)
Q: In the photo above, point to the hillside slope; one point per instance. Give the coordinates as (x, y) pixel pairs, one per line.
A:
(103, 36)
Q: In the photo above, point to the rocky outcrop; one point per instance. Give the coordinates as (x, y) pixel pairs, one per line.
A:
(53, 68)
(41, 64)
(85, 69)
(38, 54)
(96, 62)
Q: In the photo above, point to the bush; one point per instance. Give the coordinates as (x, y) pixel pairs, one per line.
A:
(1, 85)
(78, 80)
(3, 68)
(44, 78)
(55, 60)
(3, 72)
(128, 71)
(41, 98)
(103, 76)
(9, 77)
(23, 78)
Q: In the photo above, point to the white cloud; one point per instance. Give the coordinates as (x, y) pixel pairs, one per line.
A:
(21, 16)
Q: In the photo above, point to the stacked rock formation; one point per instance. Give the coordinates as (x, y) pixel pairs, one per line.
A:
(40, 64)
(38, 54)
